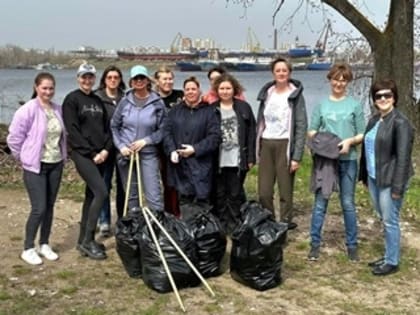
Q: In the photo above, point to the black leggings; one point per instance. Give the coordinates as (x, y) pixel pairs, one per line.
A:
(95, 194)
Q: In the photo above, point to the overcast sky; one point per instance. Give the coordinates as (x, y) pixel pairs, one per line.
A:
(108, 24)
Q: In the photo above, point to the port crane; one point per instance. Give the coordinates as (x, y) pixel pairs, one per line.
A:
(252, 42)
(321, 43)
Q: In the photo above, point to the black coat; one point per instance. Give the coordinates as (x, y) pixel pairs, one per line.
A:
(247, 131)
(199, 127)
(393, 146)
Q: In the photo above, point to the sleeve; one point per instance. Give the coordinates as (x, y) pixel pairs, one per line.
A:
(213, 136)
(251, 136)
(168, 133)
(18, 130)
(116, 124)
(301, 126)
(404, 137)
(75, 137)
(156, 136)
(360, 123)
(315, 123)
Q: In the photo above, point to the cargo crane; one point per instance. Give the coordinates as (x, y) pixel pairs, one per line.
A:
(252, 42)
(176, 43)
(321, 44)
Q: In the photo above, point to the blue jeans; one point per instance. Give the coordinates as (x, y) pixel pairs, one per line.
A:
(105, 214)
(389, 211)
(347, 172)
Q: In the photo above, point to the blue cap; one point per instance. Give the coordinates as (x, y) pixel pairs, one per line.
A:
(139, 70)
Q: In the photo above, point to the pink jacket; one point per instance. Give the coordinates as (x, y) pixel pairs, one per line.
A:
(28, 132)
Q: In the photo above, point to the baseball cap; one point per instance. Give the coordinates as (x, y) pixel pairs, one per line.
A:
(86, 68)
(139, 70)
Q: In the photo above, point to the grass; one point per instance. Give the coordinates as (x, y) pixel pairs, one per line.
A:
(82, 286)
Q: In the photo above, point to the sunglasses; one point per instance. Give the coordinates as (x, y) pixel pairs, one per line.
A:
(386, 96)
(139, 78)
(113, 77)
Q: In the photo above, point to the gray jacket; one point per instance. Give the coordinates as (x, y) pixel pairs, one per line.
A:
(325, 156)
(299, 120)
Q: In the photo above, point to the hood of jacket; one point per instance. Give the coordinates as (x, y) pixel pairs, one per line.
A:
(263, 93)
(153, 97)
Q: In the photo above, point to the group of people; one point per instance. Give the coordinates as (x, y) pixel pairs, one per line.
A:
(195, 151)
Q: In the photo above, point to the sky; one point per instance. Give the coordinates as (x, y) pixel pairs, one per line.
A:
(107, 24)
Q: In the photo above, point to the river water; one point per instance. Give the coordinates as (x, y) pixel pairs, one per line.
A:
(16, 85)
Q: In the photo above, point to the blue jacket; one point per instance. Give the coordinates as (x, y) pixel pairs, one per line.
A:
(199, 127)
(130, 122)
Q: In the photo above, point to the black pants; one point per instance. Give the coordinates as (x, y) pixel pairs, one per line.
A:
(230, 196)
(42, 189)
(95, 194)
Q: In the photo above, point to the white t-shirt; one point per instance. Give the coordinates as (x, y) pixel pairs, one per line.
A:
(277, 115)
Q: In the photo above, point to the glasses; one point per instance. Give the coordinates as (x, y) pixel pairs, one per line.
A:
(386, 96)
(139, 78)
(113, 77)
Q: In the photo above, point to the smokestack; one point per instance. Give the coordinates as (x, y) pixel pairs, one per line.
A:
(275, 39)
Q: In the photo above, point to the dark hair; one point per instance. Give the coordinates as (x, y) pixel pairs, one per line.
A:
(191, 79)
(384, 84)
(102, 84)
(237, 87)
(280, 59)
(39, 78)
(219, 69)
(340, 70)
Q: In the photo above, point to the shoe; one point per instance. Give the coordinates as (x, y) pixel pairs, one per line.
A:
(92, 250)
(291, 226)
(105, 230)
(46, 251)
(384, 269)
(376, 262)
(100, 245)
(31, 257)
(313, 253)
(352, 254)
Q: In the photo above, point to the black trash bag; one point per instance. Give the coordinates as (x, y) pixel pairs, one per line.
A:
(210, 239)
(154, 275)
(257, 252)
(127, 233)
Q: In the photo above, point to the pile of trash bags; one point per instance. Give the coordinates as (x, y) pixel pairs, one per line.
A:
(201, 238)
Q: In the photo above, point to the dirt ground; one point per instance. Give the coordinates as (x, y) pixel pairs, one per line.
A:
(77, 285)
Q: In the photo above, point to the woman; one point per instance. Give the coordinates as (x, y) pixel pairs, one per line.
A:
(211, 95)
(37, 139)
(281, 130)
(137, 128)
(164, 78)
(86, 121)
(111, 90)
(342, 116)
(191, 137)
(385, 167)
(236, 152)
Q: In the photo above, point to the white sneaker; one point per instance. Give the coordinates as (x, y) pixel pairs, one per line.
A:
(31, 257)
(46, 251)
(105, 230)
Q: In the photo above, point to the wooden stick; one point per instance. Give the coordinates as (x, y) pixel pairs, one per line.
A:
(127, 189)
(139, 186)
(152, 233)
(188, 261)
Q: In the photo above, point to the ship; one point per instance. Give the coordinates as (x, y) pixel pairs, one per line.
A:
(150, 56)
(320, 63)
(188, 66)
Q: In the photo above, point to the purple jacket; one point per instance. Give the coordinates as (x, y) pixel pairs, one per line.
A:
(28, 132)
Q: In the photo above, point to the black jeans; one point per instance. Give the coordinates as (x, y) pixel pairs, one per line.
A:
(230, 196)
(95, 194)
(42, 189)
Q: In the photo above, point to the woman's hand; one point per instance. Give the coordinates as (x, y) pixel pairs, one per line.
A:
(174, 157)
(125, 151)
(294, 166)
(345, 145)
(98, 159)
(186, 151)
(137, 145)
